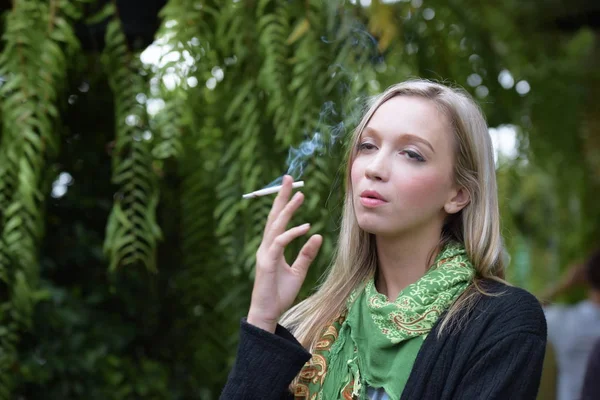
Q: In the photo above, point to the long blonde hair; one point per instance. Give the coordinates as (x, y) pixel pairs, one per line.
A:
(477, 226)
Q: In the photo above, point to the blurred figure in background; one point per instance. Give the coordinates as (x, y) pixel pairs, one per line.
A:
(574, 329)
(591, 383)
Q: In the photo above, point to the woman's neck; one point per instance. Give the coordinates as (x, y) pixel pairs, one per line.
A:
(403, 261)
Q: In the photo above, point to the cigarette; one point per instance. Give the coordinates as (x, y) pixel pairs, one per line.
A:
(271, 190)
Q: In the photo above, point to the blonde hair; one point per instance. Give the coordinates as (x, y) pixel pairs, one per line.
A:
(477, 226)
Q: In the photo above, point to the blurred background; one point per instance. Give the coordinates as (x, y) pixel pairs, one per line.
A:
(131, 129)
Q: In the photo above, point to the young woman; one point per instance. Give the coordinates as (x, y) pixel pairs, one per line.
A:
(414, 305)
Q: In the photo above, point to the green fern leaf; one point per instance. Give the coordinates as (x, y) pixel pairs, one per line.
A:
(132, 231)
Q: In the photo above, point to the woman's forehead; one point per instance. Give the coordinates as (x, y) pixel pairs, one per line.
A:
(408, 115)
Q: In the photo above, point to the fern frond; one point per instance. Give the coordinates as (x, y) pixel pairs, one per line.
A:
(274, 29)
(310, 76)
(168, 124)
(233, 17)
(39, 38)
(185, 32)
(132, 230)
(249, 158)
(204, 270)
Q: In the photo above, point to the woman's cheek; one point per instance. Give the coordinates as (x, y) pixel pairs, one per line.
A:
(424, 187)
(355, 171)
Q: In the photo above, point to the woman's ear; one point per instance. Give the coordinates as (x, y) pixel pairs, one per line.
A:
(459, 198)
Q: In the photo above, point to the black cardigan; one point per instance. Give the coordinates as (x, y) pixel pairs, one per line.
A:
(497, 355)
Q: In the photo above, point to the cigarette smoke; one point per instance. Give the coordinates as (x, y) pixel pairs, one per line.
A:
(333, 122)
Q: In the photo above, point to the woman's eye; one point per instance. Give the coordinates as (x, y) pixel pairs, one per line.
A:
(366, 146)
(414, 155)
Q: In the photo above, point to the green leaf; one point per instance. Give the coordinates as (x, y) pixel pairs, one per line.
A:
(105, 12)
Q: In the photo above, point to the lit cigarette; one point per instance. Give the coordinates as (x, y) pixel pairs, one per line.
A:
(271, 190)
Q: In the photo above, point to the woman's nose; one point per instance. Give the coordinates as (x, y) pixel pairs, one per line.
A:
(377, 169)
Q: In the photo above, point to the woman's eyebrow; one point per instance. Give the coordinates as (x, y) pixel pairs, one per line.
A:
(416, 138)
(403, 136)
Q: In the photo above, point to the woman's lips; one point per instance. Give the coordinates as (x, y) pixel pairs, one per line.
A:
(371, 202)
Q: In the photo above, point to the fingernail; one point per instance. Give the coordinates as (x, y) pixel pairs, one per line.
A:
(305, 225)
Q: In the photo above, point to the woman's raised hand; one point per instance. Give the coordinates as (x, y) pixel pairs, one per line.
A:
(277, 283)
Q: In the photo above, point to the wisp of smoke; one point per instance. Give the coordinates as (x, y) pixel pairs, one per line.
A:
(332, 123)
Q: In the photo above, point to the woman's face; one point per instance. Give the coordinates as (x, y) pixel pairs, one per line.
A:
(402, 174)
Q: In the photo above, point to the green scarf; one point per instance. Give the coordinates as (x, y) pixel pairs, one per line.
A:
(375, 342)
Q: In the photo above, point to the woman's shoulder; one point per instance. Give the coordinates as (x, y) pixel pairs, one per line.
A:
(509, 308)
(506, 293)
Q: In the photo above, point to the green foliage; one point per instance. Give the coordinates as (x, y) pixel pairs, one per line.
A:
(185, 32)
(39, 39)
(140, 287)
(132, 231)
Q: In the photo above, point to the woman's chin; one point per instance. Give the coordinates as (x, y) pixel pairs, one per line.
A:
(379, 228)
(370, 227)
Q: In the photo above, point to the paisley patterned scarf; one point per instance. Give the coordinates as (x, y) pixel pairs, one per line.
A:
(374, 342)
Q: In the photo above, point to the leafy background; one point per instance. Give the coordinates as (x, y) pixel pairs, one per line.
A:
(131, 129)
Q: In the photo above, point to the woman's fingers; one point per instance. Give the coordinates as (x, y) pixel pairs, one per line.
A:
(280, 200)
(277, 227)
(307, 254)
(286, 238)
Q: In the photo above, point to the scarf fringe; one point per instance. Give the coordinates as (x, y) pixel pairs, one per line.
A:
(355, 374)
